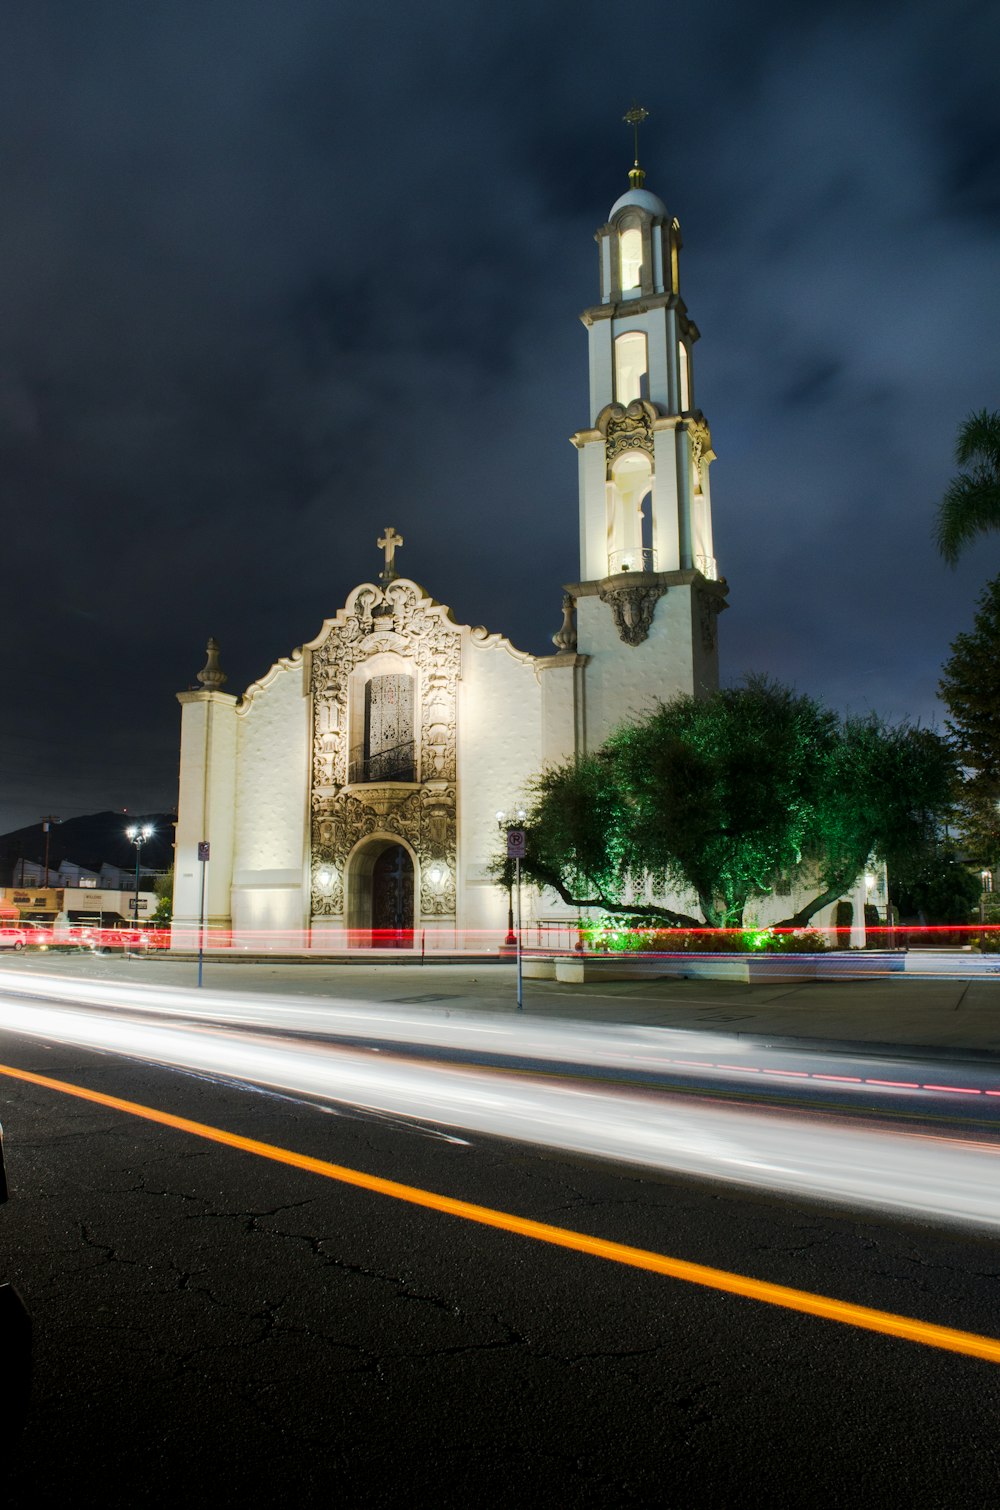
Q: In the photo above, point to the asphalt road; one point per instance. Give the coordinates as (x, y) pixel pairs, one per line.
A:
(215, 1327)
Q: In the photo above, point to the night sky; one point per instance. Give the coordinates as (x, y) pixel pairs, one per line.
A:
(274, 275)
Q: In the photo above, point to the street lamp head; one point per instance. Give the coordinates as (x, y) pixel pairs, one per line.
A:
(131, 831)
(147, 830)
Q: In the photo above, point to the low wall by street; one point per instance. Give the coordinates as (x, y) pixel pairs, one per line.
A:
(855, 964)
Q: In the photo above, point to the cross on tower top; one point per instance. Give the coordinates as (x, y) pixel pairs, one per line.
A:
(388, 542)
(634, 117)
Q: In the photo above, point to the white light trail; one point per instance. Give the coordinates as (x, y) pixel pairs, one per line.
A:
(945, 1178)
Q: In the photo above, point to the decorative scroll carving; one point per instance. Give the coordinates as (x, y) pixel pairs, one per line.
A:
(400, 619)
(701, 452)
(565, 636)
(426, 819)
(632, 608)
(628, 429)
(709, 608)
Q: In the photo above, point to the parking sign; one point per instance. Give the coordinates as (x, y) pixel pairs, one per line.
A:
(203, 849)
(517, 843)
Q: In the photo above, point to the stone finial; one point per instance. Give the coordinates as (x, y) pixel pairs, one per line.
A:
(565, 636)
(212, 676)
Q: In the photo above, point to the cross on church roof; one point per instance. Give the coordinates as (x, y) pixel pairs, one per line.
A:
(634, 117)
(388, 542)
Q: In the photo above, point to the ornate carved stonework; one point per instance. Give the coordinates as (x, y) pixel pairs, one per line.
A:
(400, 619)
(627, 429)
(701, 451)
(632, 608)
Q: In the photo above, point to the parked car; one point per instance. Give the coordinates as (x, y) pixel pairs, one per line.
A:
(37, 935)
(134, 940)
(13, 936)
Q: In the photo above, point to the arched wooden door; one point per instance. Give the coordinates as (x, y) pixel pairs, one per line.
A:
(392, 899)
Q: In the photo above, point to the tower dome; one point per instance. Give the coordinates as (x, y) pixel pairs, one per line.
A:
(640, 199)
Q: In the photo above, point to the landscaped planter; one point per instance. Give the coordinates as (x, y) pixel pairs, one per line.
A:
(845, 964)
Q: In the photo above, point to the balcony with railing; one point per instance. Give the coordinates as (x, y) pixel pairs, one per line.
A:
(395, 764)
(631, 560)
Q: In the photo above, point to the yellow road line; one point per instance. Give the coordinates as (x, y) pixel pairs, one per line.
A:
(906, 1327)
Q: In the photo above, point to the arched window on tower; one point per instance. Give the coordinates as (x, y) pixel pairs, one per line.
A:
(630, 242)
(631, 367)
(630, 530)
(684, 368)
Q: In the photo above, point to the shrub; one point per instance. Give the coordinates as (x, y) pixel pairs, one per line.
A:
(611, 936)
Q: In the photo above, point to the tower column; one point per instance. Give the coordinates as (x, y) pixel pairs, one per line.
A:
(206, 805)
(683, 454)
(649, 595)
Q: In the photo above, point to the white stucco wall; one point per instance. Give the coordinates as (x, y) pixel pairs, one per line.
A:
(562, 707)
(593, 486)
(272, 799)
(206, 808)
(625, 681)
(499, 750)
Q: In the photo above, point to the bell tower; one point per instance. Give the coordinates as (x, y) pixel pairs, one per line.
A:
(650, 591)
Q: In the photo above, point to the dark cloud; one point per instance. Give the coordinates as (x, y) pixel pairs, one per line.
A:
(273, 276)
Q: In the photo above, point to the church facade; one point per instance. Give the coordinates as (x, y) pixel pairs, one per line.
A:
(353, 794)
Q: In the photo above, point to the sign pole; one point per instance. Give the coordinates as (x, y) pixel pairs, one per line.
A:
(520, 987)
(204, 850)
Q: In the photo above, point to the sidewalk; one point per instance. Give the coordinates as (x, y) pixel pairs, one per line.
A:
(953, 1017)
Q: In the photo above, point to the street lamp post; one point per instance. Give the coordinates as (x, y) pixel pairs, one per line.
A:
(47, 823)
(513, 826)
(138, 834)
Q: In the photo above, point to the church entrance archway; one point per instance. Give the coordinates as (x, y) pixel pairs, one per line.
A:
(380, 896)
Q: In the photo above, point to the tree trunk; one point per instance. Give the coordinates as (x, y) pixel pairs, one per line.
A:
(802, 917)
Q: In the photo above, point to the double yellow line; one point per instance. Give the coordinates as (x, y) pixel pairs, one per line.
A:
(906, 1327)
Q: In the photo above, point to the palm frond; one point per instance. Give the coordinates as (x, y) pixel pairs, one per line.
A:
(970, 507)
(978, 440)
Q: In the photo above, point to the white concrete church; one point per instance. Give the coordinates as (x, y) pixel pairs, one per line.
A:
(352, 792)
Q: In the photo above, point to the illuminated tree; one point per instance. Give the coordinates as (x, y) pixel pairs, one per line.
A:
(724, 797)
(971, 505)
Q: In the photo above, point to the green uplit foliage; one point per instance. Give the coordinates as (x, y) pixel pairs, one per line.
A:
(164, 887)
(723, 796)
(882, 791)
(612, 937)
(164, 912)
(719, 790)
